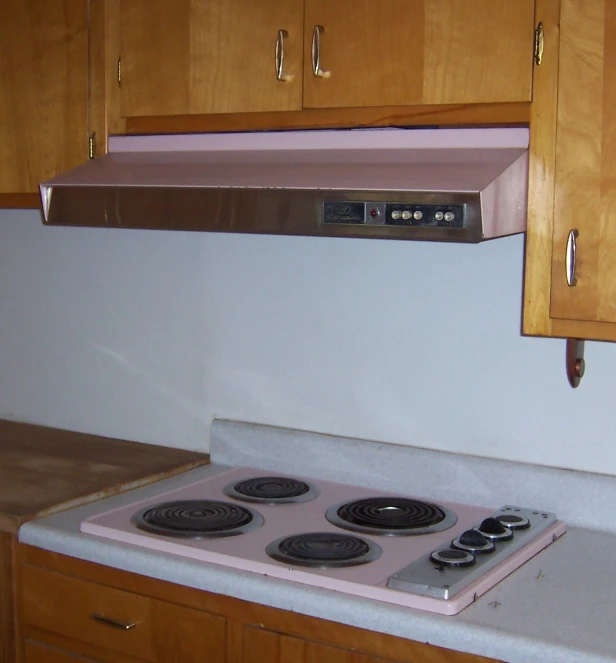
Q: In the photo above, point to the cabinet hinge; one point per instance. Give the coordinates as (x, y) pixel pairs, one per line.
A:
(92, 145)
(539, 43)
(119, 72)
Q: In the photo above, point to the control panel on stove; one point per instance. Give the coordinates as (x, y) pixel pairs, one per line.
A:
(475, 551)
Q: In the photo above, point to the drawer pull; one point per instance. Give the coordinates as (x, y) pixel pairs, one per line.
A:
(280, 75)
(571, 258)
(113, 623)
(316, 53)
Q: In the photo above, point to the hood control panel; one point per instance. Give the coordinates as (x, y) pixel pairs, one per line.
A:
(422, 215)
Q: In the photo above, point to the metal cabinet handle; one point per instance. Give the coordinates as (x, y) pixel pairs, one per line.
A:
(113, 623)
(280, 75)
(570, 257)
(316, 53)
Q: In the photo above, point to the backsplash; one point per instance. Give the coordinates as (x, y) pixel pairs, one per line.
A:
(149, 335)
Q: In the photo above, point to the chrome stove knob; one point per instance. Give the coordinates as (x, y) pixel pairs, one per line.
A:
(452, 558)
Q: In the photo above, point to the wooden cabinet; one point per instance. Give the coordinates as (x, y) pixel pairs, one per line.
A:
(43, 93)
(404, 52)
(260, 645)
(60, 597)
(220, 57)
(217, 56)
(115, 620)
(573, 176)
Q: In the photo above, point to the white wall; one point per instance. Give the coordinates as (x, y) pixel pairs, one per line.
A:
(149, 335)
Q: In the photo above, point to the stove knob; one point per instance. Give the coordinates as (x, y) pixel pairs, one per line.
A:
(453, 558)
(474, 542)
(493, 529)
(514, 522)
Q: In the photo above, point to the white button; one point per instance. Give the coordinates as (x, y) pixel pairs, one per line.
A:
(449, 216)
(438, 216)
(395, 214)
(417, 215)
(406, 215)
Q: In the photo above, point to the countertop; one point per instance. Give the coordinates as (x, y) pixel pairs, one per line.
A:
(556, 608)
(44, 470)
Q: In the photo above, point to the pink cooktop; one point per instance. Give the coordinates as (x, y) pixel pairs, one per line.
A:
(404, 571)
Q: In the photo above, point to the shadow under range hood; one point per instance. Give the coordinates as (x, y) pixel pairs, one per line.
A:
(457, 185)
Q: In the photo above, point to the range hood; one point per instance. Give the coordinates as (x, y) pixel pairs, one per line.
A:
(461, 185)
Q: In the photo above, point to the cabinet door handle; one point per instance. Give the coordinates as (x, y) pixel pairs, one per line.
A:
(316, 53)
(113, 623)
(570, 257)
(280, 75)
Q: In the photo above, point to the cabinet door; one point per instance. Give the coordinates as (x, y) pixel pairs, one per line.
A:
(585, 172)
(260, 646)
(43, 90)
(185, 635)
(398, 52)
(209, 56)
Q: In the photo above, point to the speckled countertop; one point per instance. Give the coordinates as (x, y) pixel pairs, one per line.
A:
(555, 608)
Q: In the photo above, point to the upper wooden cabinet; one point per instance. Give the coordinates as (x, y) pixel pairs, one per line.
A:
(571, 244)
(214, 56)
(43, 91)
(402, 52)
(229, 56)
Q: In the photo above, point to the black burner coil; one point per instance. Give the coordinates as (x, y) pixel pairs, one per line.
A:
(323, 550)
(194, 518)
(275, 488)
(391, 513)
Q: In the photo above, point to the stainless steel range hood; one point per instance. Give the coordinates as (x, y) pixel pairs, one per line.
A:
(461, 185)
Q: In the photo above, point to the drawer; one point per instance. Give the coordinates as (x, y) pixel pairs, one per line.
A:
(104, 616)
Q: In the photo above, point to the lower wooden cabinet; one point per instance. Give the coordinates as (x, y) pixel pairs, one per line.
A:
(74, 611)
(260, 645)
(119, 621)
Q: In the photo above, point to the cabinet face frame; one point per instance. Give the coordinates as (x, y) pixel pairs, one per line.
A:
(7, 598)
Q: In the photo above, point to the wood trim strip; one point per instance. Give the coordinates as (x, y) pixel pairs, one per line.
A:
(513, 114)
(104, 91)
(7, 614)
(20, 201)
(538, 259)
